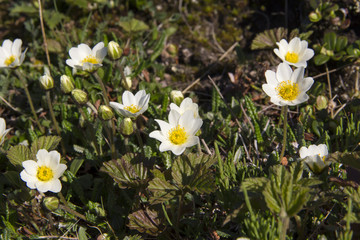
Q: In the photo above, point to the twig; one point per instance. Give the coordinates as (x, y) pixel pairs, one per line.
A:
(43, 33)
(210, 67)
(329, 85)
(206, 147)
(9, 105)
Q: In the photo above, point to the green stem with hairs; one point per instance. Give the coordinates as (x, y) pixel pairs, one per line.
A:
(24, 83)
(285, 110)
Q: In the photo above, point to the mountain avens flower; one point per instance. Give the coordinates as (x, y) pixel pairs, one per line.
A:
(287, 87)
(186, 105)
(179, 133)
(10, 54)
(3, 130)
(132, 106)
(295, 53)
(44, 173)
(315, 157)
(87, 59)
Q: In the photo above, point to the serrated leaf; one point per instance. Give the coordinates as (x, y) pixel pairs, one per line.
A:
(18, 154)
(129, 171)
(298, 201)
(145, 221)
(133, 25)
(268, 38)
(296, 170)
(255, 184)
(162, 191)
(45, 142)
(271, 201)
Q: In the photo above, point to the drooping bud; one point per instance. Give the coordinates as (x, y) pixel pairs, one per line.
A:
(66, 84)
(51, 203)
(126, 127)
(114, 50)
(126, 83)
(46, 81)
(105, 112)
(321, 102)
(177, 97)
(79, 96)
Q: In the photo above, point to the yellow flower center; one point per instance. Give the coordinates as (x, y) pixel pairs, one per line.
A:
(177, 135)
(132, 108)
(287, 90)
(90, 59)
(322, 158)
(292, 57)
(44, 174)
(9, 60)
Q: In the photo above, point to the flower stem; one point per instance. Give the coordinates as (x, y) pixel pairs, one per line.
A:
(43, 33)
(138, 136)
(97, 77)
(285, 108)
(24, 83)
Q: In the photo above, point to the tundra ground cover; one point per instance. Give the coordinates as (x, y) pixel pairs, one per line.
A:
(179, 120)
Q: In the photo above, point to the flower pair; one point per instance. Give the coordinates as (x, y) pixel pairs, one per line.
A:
(288, 87)
(179, 132)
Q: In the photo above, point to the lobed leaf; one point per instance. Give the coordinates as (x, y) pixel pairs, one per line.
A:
(145, 221)
(18, 154)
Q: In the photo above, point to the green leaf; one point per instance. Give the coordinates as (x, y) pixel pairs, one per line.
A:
(268, 38)
(129, 171)
(341, 43)
(299, 199)
(82, 233)
(133, 25)
(270, 198)
(18, 154)
(255, 184)
(14, 178)
(162, 191)
(321, 59)
(45, 142)
(145, 221)
(330, 40)
(351, 159)
(75, 165)
(53, 18)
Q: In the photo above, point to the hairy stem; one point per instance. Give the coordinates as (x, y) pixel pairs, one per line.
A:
(285, 108)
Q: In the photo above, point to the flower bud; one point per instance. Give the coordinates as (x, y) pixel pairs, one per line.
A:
(105, 112)
(321, 102)
(315, 16)
(126, 83)
(114, 50)
(46, 81)
(79, 96)
(177, 97)
(66, 84)
(51, 203)
(126, 127)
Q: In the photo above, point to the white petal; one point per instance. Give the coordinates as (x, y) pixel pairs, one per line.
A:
(76, 54)
(308, 54)
(42, 157)
(166, 146)
(128, 98)
(16, 47)
(304, 152)
(271, 78)
(277, 52)
(303, 97)
(144, 100)
(323, 150)
(299, 64)
(30, 180)
(269, 90)
(2, 126)
(22, 57)
(175, 107)
(191, 141)
(71, 62)
(7, 44)
(283, 72)
(174, 117)
(313, 150)
(178, 149)
(294, 44)
(116, 106)
(97, 50)
(297, 76)
(30, 167)
(55, 186)
(277, 101)
(306, 84)
(54, 159)
(164, 126)
(158, 136)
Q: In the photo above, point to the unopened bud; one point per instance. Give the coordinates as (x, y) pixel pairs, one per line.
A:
(79, 96)
(66, 84)
(51, 203)
(315, 16)
(126, 127)
(105, 112)
(46, 81)
(176, 97)
(126, 83)
(321, 102)
(114, 50)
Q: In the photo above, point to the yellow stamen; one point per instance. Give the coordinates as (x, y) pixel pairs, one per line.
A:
(44, 174)
(292, 57)
(90, 59)
(177, 135)
(9, 60)
(287, 90)
(132, 108)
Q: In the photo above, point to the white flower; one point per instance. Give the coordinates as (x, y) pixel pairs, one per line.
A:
(179, 133)
(43, 174)
(186, 105)
(132, 106)
(3, 130)
(315, 157)
(295, 53)
(10, 54)
(286, 87)
(87, 59)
